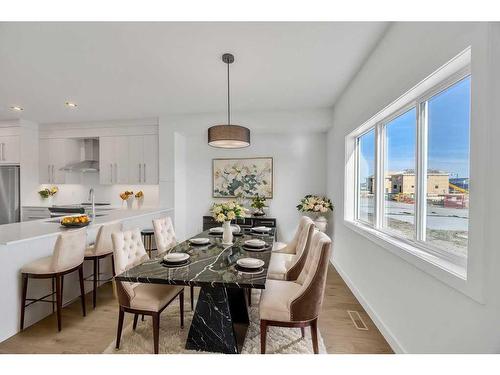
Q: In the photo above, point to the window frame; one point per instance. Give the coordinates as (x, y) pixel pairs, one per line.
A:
(420, 103)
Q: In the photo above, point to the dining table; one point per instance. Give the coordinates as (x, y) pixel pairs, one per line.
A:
(220, 320)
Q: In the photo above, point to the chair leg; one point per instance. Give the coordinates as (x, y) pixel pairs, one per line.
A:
(62, 289)
(191, 290)
(303, 331)
(82, 289)
(142, 318)
(59, 299)
(136, 318)
(113, 264)
(120, 326)
(94, 292)
(181, 304)
(263, 334)
(314, 335)
(23, 298)
(156, 332)
(53, 293)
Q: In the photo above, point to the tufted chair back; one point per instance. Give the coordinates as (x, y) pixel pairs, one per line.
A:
(306, 304)
(164, 234)
(128, 251)
(103, 242)
(69, 250)
(302, 247)
(291, 247)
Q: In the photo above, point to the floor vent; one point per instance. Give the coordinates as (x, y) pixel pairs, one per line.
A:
(357, 320)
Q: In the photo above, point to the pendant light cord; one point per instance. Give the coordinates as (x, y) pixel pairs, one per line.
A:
(228, 99)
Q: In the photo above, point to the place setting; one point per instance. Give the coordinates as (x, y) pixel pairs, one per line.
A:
(255, 244)
(175, 260)
(261, 230)
(199, 242)
(218, 231)
(249, 265)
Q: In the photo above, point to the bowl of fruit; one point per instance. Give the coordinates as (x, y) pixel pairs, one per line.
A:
(77, 221)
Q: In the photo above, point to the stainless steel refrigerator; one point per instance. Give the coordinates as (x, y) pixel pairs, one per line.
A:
(10, 210)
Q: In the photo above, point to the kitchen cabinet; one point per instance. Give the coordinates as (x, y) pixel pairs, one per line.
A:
(114, 160)
(9, 149)
(35, 213)
(55, 153)
(143, 159)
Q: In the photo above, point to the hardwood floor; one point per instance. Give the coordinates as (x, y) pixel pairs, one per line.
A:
(93, 333)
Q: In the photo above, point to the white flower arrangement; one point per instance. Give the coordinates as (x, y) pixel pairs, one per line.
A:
(315, 204)
(227, 211)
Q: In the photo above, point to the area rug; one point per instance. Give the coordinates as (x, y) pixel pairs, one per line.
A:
(173, 338)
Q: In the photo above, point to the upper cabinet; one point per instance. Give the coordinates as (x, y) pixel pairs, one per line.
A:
(54, 155)
(128, 159)
(143, 159)
(9, 149)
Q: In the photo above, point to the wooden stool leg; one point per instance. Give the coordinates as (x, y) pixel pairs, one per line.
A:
(314, 335)
(96, 275)
(263, 334)
(181, 303)
(191, 291)
(62, 288)
(53, 295)
(142, 318)
(136, 318)
(120, 326)
(59, 300)
(82, 289)
(113, 264)
(156, 332)
(303, 331)
(23, 298)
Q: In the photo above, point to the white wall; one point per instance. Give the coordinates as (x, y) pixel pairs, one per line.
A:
(416, 312)
(297, 145)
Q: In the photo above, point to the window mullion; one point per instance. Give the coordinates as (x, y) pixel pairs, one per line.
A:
(421, 172)
(379, 174)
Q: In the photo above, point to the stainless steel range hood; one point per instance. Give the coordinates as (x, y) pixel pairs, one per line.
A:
(89, 158)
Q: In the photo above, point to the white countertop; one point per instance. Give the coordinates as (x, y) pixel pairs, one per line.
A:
(27, 230)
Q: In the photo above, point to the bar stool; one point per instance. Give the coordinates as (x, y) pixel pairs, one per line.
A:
(67, 257)
(147, 240)
(102, 248)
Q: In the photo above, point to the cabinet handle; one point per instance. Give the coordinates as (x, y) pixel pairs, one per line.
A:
(3, 151)
(140, 172)
(53, 174)
(48, 174)
(111, 171)
(116, 172)
(144, 171)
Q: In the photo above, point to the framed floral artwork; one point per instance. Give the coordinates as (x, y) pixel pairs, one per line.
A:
(242, 177)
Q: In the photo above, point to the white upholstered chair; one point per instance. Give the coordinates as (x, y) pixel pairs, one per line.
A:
(290, 248)
(102, 248)
(140, 298)
(165, 240)
(67, 257)
(288, 265)
(297, 303)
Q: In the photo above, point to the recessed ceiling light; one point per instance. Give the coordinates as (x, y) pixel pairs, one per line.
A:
(71, 105)
(16, 108)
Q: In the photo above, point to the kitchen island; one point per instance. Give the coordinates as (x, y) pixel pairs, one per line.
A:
(24, 242)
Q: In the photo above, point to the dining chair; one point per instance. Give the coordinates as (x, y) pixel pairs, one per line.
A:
(165, 240)
(140, 298)
(102, 248)
(287, 266)
(66, 258)
(296, 304)
(290, 248)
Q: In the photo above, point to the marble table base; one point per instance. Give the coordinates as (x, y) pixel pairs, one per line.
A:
(220, 321)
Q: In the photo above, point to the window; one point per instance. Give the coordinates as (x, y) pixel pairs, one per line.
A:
(447, 218)
(412, 180)
(399, 166)
(366, 168)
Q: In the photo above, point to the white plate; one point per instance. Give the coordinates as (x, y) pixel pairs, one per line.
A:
(235, 229)
(216, 230)
(250, 263)
(199, 241)
(176, 257)
(261, 229)
(255, 243)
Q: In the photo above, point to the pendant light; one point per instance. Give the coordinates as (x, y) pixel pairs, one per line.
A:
(227, 135)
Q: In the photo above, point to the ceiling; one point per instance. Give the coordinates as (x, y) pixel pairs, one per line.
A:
(142, 70)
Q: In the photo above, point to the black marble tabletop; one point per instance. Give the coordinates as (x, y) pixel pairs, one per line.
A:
(210, 265)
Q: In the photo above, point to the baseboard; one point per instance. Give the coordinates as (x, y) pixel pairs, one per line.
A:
(386, 332)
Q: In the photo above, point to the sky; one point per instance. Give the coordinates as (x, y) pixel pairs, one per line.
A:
(448, 136)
